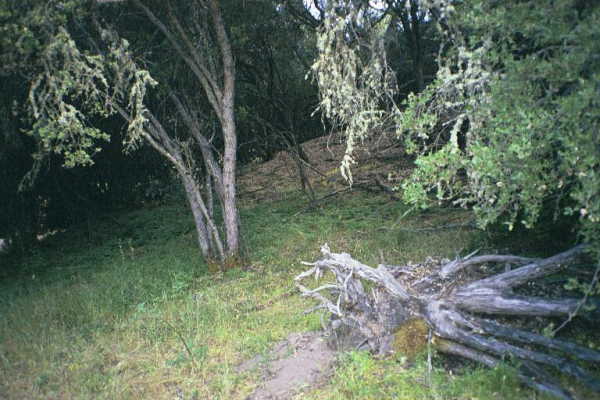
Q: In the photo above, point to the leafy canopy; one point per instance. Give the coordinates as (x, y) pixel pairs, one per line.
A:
(510, 125)
(72, 77)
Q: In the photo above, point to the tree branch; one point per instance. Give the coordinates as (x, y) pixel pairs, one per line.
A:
(491, 301)
(512, 333)
(209, 84)
(504, 349)
(534, 270)
(457, 265)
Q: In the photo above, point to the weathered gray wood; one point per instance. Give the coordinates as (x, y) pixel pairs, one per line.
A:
(538, 379)
(507, 350)
(450, 347)
(529, 272)
(530, 374)
(423, 291)
(457, 265)
(498, 330)
(497, 303)
(380, 275)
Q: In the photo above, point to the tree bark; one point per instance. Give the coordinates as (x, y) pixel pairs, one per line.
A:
(199, 222)
(209, 239)
(227, 117)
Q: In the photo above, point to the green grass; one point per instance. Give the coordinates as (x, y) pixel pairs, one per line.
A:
(362, 377)
(124, 308)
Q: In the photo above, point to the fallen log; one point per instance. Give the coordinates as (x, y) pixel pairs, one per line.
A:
(460, 309)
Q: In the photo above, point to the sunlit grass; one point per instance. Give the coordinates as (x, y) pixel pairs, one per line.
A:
(125, 308)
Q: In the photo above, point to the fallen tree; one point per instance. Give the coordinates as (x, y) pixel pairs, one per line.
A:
(464, 309)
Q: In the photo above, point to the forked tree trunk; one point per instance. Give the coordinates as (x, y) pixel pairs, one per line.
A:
(215, 72)
(179, 155)
(458, 309)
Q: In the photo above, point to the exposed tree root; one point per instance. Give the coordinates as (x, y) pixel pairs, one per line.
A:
(459, 310)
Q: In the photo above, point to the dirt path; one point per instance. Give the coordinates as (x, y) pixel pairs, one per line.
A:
(302, 360)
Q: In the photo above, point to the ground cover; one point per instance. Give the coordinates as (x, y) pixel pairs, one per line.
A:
(123, 307)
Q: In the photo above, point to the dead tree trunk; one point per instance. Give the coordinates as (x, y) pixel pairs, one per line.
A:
(458, 309)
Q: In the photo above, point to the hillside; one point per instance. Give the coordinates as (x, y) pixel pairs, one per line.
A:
(379, 160)
(126, 309)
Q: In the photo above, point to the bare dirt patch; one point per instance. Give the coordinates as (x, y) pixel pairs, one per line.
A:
(380, 159)
(300, 361)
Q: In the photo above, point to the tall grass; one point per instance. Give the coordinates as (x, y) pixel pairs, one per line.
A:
(126, 309)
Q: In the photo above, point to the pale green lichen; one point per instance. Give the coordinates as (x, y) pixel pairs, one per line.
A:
(509, 126)
(73, 85)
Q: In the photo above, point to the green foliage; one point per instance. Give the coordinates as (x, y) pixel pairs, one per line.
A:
(360, 376)
(353, 86)
(526, 80)
(274, 103)
(68, 82)
(509, 127)
(96, 83)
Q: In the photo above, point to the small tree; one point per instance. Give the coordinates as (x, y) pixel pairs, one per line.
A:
(70, 82)
(202, 43)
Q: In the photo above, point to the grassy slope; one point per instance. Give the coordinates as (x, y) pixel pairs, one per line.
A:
(127, 310)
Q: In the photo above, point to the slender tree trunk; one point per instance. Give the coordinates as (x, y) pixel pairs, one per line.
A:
(411, 20)
(227, 117)
(218, 84)
(210, 202)
(209, 238)
(203, 238)
(230, 211)
(418, 67)
(212, 167)
(417, 45)
(199, 205)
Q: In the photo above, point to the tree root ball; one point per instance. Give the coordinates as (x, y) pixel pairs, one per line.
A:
(394, 309)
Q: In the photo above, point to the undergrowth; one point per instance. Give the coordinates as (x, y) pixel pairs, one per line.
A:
(125, 308)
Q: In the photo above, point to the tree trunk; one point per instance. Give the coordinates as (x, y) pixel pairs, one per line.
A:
(176, 152)
(457, 309)
(416, 21)
(227, 117)
(230, 211)
(218, 85)
(411, 16)
(199, 222)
